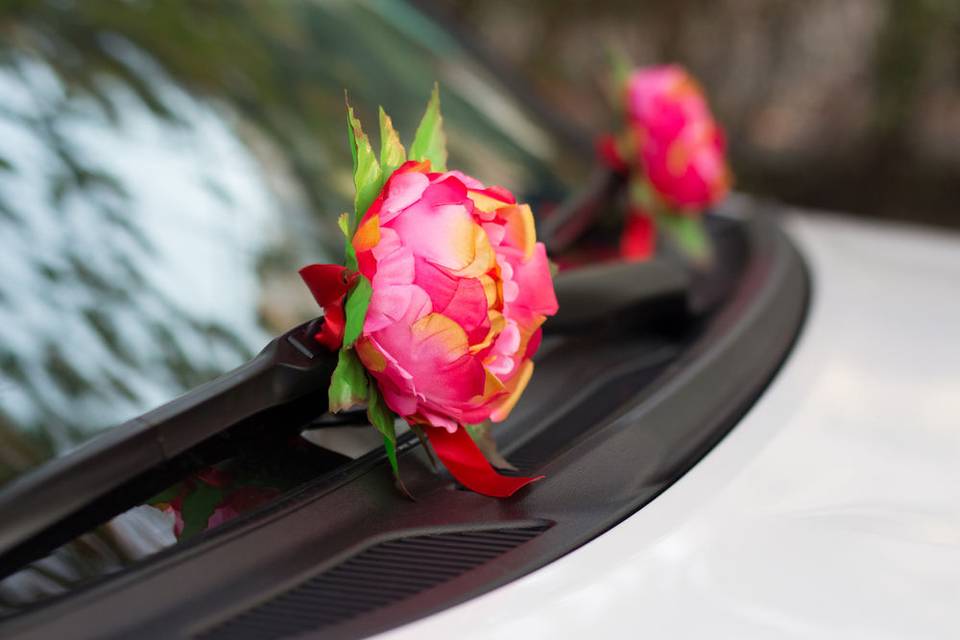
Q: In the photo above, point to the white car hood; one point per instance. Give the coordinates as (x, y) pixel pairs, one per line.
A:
(831, 511)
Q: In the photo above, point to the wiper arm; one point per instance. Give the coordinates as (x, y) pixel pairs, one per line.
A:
(575, 216)
(280, 389)
(627, 294)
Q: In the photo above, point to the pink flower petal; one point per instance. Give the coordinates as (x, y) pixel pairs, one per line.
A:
(403, 190)
(536, 284)
(463, 300)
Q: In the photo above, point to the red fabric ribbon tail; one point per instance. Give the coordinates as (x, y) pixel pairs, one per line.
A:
(609, 154)
(329, 284)
(465, 462)
(639, 239)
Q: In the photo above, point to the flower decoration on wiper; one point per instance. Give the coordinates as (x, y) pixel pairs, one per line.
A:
(673, 153)
(438, 309)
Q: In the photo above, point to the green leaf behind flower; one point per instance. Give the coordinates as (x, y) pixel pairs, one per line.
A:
(620, 68)
(430, 142)
(482, 435)
(688, 234)
(355, 310)
(367, 176)
(348, 385)
(197, 507)
(384, 420)
(425, 443)
(392, 153)
(642, 195)
(350, 257)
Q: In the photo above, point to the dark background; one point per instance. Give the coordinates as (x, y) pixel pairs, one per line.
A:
(849, 105)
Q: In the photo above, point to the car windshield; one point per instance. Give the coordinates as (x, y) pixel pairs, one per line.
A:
(165, 168)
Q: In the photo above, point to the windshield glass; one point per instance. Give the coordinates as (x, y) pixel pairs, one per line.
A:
(165, 168)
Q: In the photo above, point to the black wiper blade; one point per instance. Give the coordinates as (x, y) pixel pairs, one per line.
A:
(280, 392)
(571, 220)
(628, 294)
(277, 392)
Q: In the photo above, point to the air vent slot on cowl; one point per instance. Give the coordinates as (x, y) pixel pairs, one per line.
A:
(376, 577)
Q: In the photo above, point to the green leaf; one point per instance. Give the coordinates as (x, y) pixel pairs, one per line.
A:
(355, 310)
(620, 66)
(348, 385)
(430, 142)
(197, 507)
(482, 435)
(350, 253)
(384, 419)
(620, 69)
(392, 153)
(366, 169)
(344, 223)
(422, 437)
(641, 195)
(688, 234)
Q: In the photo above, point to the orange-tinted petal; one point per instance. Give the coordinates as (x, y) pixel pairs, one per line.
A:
(520, 230)
(368, 235)
(516, 385)
(370, 356)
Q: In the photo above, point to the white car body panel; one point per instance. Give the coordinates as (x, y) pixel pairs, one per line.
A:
(831, 511)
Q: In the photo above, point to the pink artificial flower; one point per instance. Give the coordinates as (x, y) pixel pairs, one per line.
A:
(679, 145)
(460, 289)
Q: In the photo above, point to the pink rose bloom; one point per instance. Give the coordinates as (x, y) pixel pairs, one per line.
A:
(460, 290)
(680, 147)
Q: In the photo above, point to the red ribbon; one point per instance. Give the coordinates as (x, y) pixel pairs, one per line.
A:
(329, 284)
(639, 239)
(465, 462)
(609, 154)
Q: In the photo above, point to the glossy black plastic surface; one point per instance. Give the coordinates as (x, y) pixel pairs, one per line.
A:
(613, 417)
(135, 460)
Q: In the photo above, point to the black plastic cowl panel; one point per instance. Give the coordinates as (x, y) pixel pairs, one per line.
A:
(631, 423)
(386, 573)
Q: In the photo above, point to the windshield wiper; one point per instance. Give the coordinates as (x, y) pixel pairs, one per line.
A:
(275, 393)
(280, 392)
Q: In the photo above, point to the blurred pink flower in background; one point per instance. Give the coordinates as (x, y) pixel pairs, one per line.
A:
(681, 149)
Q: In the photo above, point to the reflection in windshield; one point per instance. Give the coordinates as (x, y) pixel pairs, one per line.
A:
(199, 503)
(108, 274)
(166, 166)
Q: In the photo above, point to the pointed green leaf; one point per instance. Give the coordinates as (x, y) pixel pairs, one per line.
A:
(355, 310)
(688, 234)
(641, 194)
(344, 223)
(366, 169)
(422, 437)
(392, 153)
(430, 142)
(620, 66)
(348, 385)
(383, 419)
(350, 260)
(197, 507)
(482, 435)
